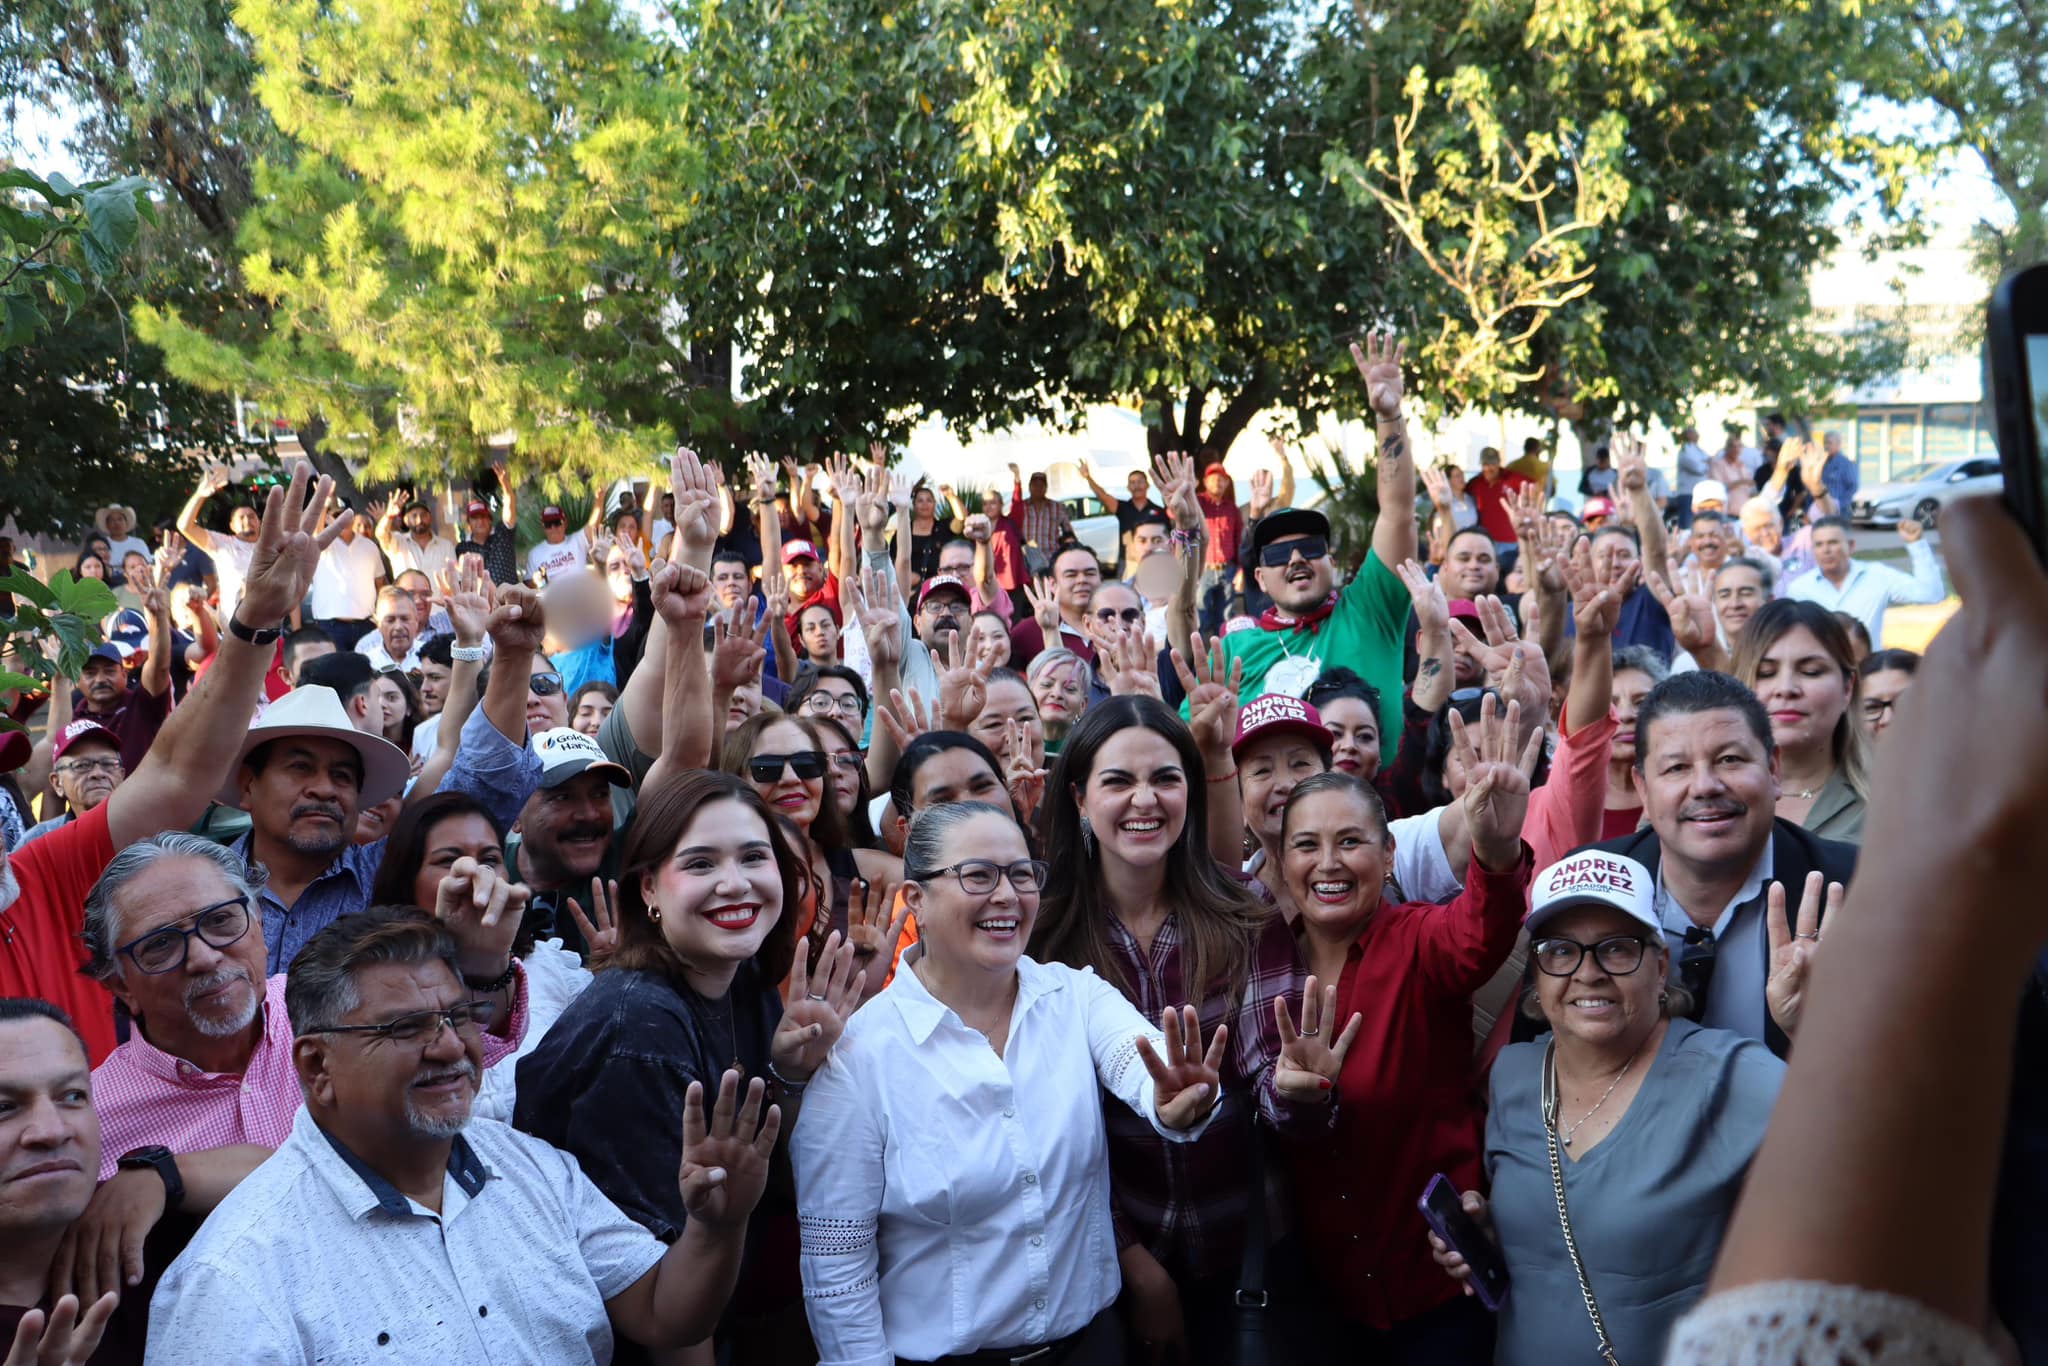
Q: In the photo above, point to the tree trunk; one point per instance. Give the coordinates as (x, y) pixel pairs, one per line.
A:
(311, 433)
(1187, 433)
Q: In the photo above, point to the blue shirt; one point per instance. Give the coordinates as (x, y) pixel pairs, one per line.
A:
(487, 766)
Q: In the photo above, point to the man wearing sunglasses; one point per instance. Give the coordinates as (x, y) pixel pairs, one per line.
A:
(1311, 624)
(388, 1218)
(204, 1088)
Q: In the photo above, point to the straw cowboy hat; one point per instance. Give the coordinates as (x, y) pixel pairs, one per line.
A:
(316, 711)
(99, 519)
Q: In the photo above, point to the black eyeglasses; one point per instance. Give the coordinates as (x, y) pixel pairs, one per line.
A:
(852, 760)
(846, 704)
(979, 876)
(1619, 954)
(1696, 963)
(106, 763)
(1280, 552)
(1874, 707)
(544, 685)
(423, 1028)
(767, 768)
(165, 949)
(1130, 616)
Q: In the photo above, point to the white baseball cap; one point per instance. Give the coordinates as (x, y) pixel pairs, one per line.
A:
(1594, 877)
(1710, 491)
(564, 753)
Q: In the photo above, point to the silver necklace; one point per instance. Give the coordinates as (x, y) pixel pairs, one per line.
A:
(1567, 1132)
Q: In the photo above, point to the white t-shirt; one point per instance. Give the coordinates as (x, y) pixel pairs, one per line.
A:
(231, 557)
(430, 559)
(345, 580)
(117, 551)
(557, 559)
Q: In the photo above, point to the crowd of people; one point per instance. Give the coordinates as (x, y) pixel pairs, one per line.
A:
(803, 915)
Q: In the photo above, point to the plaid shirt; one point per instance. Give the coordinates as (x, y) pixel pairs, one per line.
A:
(1186, 1201)
(1046, 524)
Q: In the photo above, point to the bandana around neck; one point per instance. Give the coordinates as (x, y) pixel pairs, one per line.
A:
(1271, 620)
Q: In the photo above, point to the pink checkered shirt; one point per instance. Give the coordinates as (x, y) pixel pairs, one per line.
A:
(145, 1096)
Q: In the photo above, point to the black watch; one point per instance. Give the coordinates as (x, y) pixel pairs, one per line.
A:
(267, 636)
(164, 1163)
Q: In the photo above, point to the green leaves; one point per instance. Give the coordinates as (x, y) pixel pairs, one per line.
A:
(95, 224)
(65, 614)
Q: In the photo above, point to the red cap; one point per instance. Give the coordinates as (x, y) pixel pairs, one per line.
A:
(938, 581)
(1597, 506)
(551, 513)
(475, 507)
(1464, 607)
(792, 551)
(82, 730)
(1277, 713)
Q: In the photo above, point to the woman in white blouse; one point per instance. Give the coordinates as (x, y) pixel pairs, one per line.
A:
(952, 1171)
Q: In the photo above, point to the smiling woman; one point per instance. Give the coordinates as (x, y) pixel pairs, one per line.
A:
(1798, 660)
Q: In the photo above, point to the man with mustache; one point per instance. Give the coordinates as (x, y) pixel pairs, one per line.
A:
(1707, 771)
(389, 1216)
(204, 1087)
(564, 835)
(43, 887)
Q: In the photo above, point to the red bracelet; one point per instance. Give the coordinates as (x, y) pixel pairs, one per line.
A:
(1222, 777)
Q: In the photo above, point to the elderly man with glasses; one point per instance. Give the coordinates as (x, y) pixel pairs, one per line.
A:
(85, 769)
(389, 1217)
(204, 1087)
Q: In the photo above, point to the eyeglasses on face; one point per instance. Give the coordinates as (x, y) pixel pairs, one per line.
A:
(843, 704)
(1620, 954)
(110, 763)
(1875, 707)
(164, 949)
(767, 768)
(1280, 552)
(1130, 616)
(544, 685)
(424, 1027)
(852, 760)
(979, 876)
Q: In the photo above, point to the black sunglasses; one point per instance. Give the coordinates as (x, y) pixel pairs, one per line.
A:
(1280, 552)
(1131, 616)
(766, 768)
(545, 685)
(1696, 964)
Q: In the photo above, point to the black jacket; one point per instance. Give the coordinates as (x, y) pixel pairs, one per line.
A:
(1794, 854)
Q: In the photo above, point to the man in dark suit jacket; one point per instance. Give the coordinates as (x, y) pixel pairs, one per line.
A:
(1707, 771)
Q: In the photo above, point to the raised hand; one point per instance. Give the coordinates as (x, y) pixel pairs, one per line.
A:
(1910, 531)
(600, 929)
(1310, 1059)
(213, 480)
(874, 607)
(762, 471)
(681, 595)
(1690, 610)
(738, 648)
(874, 925)
(695, 490)
(872, 505)
(1432, 608)
(906, 716)
(1379, 365)
(1212, 687)
(1630, 462)
(1185, 1083)
(471, 603)
(1437, 485)
(1128, 661)
(1497, 782)
(1596, 605)
(1174, 473)
(725, 1159)
(1439, 540)
(288, 546)
(1262, 491)
(482, 909)
(1023, 772)
(845, 480)
(815, 1011)
(60, 1337)
(518, 624)
(1045, 609)
(963, 683)
(1794, 946)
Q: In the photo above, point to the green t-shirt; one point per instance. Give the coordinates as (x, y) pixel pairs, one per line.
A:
(1364, 634)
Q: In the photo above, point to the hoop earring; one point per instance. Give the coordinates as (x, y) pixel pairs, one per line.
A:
(1664, 1001)
(1087, 838)
(654, 915)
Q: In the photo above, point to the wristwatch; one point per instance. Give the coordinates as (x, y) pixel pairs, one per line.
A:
(468, 654)
(164, 1163)
(267, 636)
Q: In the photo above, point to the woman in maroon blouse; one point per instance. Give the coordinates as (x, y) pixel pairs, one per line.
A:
(1407, 1108)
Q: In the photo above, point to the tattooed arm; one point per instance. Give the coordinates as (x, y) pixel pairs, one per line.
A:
(1379, 365)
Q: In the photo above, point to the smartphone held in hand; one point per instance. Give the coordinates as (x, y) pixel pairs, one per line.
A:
(1446, 1215)
(2016, 342)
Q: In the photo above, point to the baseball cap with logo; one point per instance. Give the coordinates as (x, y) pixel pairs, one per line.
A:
(564, 753)
(551, 513)
(82, 730)
(792, 551)
(1276, 714)
(939, 581)
(1592, 877)
(476, 508)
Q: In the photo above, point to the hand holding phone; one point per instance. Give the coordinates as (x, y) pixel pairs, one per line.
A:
(1486, 1271)
(2016, 345)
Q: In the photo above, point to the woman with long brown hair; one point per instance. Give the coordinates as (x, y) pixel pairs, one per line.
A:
(1798, 660)
(1136, 895)
(704, 883)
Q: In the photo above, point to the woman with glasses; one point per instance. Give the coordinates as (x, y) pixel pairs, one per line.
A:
(1798, 660)
(707, 886)
(1634, 1121)
(785, 760)
(1137, 897)
(953, 1185)
(1882, 679)
(1061, 683)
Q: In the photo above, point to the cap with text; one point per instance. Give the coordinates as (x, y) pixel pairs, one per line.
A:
(1593, 877)
(564, 753)
(1278, 714)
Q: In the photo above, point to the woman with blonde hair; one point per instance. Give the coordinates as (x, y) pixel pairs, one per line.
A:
(1061, 683)
(1800, 663)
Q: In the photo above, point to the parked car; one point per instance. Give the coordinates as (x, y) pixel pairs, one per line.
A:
(1095, 527)
(1922, 493)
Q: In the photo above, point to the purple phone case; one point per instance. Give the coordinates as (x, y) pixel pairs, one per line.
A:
(1486, 1293)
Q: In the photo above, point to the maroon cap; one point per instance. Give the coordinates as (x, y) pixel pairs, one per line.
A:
(1597, 506)
(1465, 608)
(551, 513)
(938, 581)
(1276, 713)
(792, 551)
(82, 730)
(475, 507)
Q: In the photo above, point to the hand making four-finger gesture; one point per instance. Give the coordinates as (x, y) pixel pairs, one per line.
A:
(815, 1012)
(1379, 365)
(1794, 944)
(874, 926)
(1496, 796)
(1045, 608)
(1312, 1057)
(1212, 684)
(963, 682)
(1174, 472)
(1185, 1083)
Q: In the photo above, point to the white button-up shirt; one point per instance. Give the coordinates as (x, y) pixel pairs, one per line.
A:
(314, 1257)
(345, 581)
(951, 1199)
(1870, 588)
